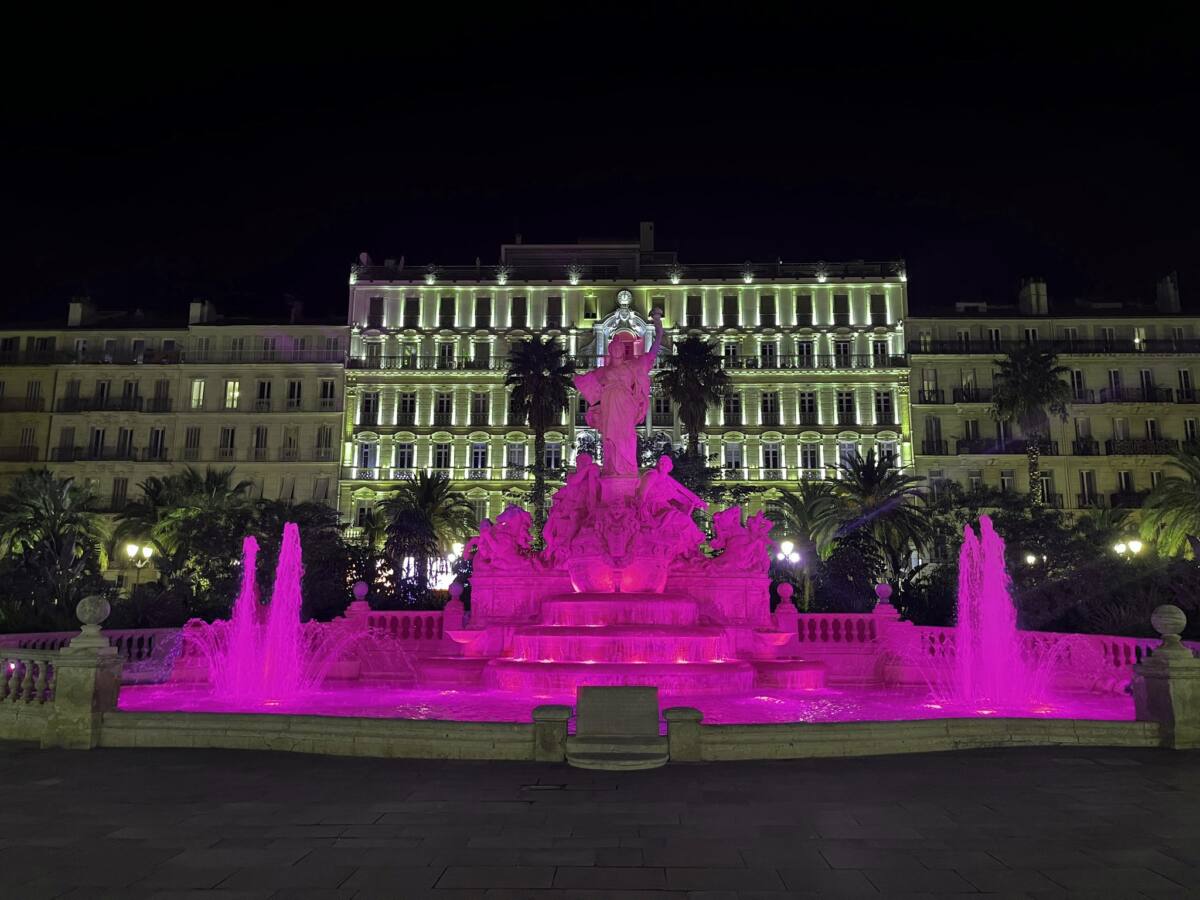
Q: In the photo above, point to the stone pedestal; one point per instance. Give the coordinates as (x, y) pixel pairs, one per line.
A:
(550, 732)
(683, 733)
(1166, 686)
(87, 682)
(453, 613)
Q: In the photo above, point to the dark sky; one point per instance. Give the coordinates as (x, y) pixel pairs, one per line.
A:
(148, 162)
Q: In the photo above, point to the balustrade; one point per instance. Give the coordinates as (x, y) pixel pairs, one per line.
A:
(27, 676)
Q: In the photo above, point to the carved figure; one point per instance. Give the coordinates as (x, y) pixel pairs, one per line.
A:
(504, 544)
(745, 548)
(573, 503)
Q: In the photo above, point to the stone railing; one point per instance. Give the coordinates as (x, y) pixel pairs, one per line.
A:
(414, 625)
(133, 644)
(838, 628)
(28, 676)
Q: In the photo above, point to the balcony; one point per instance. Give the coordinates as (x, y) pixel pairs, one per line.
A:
(443, 418)
(258, 454)
(289, 454)
(732, 419)
(262, 356)
(823, 361)
(1062, 345)
(1128, 499)
(931, 397)
(846, 418)
(516, 473)
(98, 404)
(190, 454)
(990, 446)
(18, 454)
(93, 454)
(1054, 501)
(478, 474)
(807, 417)
(934, 448)
(1085, 448)
(1090, 501)
(885, 420)
(159, 405)
(972, 395)
(1136, 395)
(771, 475)
(224, 453)
(479, 420)
(425, 363)
(407, 419)
(327, 404)
(323, 454)
(657, 420)
(154, 454)
(368, 417)
(262, 404)
(22, 404)
(768, 418)
(1140, 446)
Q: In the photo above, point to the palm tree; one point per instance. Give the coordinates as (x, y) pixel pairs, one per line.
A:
(188, 515)
(539, 374)
(886, 505)
(1028, 388)
(810, 516)
(424, 519)
(1171, 515)
(693, 380)
(50, 523)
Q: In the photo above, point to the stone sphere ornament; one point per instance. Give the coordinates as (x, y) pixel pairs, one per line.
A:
(785, 591)
(361, 589)
(1168, 619)
(92, 610)
(883, 592)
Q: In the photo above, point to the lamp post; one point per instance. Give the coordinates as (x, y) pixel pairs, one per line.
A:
(139, 556)
(1128, 549)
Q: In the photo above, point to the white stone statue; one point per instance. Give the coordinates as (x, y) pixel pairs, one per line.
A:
(573, 503)
(618, 395)
(504, 545)
(669, 505)
(746, 549)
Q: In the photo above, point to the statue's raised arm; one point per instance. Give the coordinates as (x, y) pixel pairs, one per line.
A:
(647, 359)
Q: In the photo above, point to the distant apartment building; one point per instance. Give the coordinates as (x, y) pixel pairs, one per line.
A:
(815, 352)
(111, 399)
(1133, 396)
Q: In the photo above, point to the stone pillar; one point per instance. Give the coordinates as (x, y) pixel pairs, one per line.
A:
(550, 732)
(683, 733)
(87, 680)
(787, 617)
(1166, 685)
(453, 616)
(359, 609)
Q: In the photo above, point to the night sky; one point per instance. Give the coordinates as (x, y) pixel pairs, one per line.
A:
(248, 162)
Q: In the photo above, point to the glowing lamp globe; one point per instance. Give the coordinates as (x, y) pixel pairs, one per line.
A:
(131, 550)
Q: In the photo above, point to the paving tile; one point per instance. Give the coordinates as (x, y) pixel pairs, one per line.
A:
(610, 878)
(1129, 878)
(303, 875)
(941, 881)
(497, 877)
(701, 879)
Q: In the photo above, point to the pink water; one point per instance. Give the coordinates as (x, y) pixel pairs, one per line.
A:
(831, 704)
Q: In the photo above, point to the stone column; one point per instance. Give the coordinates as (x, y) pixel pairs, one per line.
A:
(550, 732)
(683, 733)
(87, 681)
(1166, 685)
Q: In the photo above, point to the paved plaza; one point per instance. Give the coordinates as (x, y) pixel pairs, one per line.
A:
(224, 824)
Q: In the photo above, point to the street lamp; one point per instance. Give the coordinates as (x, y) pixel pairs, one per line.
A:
(787, 553)
(1127, 549)
(139, 557)
(1031, 559)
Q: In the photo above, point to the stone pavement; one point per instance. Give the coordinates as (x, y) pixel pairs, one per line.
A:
(225, 824)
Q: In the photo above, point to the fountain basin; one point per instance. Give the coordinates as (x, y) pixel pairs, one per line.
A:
(621, 643)
(790, 674)
(725, 677)
(627, 609)
(634, 574)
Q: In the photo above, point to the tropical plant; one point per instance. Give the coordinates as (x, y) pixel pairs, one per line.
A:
(540, 375)
(1171, 514)
(883, 502)
(809, 516)
(48, 524)
(424, 520)
(1027, 388)
(693, 379)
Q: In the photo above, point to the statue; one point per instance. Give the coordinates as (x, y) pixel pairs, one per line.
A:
(618, 395)
(670, 505)
(505, 544)
(573, 503)
(745, 548)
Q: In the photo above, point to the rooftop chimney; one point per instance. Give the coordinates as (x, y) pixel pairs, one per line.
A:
(647, 237)
(1032, 299)
(80, 312)
(295, 311)
(1166, 294)
(201, 311)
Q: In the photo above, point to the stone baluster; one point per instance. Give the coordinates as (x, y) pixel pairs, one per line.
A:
(25, 691)
(1166, 685)
(42, 682)
(87, 682)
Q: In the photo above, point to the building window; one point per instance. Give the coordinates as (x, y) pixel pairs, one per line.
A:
(995, 339)
(443, 409)
(878, 309)
(375, 312)
(1008, 480)
(846, 413)
(768, 354)
(733, 458)
(1155, 478)
(1087, 488)
(766, 311)
(1189, 430)
(404, 455)
(847, 452)
(772, 456)
(369, 408)
(119, 492)
(197, 393)
(446, 316)
(260, 442)
(262, 400)
(479, 409)
(233, 392)
(695, 311)
(1152, 432)
(591, 307)
(479, 456)
(841, 309)
(1031, 335)
(516, 412)
(1124, 482)
(732, 408)
(804, 310)
(445, 358)
(842, 354)
(412, 312)
(483, 312)
(323, 449)
(191, 443)
(442, 456)
(519, 314)
(554, 316)
(810, 457)
(729, 350)
(769, 408)
(729, 310)
(807, 408)
(328, 394)
(886, 451)
(1078, 386)
(553, 456)
(975, 480)
(514, 461)
(406, 409)
(662, 416)
(804, 355)
(225, 445)
(885, 413)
